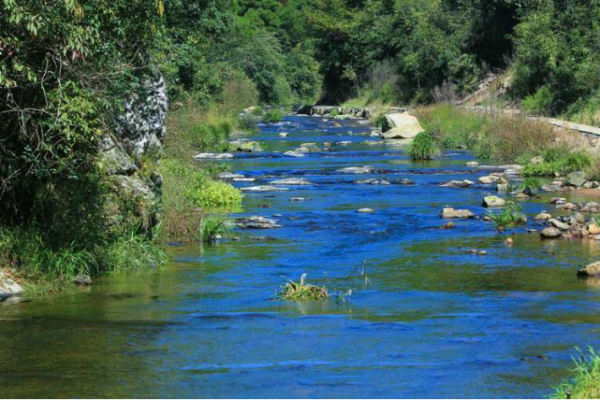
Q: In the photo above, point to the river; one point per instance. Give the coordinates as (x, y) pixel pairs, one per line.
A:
(425, 318)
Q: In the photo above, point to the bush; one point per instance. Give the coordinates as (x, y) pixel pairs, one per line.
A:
(207, 193)
(423, 147)
(273, 115)
(211, 137)
(539, 103)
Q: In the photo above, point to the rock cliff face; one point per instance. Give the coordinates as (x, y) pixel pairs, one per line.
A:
(130, 154)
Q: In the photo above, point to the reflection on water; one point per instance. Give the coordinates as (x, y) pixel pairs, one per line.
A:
(426, 318)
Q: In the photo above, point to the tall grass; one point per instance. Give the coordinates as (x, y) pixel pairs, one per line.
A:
(132, 253)
(510, 217)
(509, 139)
(213, 226)
(423, 147)
(584, 382)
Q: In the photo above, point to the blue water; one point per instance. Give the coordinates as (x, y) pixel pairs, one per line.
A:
(425, 318)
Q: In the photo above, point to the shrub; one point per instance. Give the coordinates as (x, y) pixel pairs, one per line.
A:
(273, 115)
(211, 137)
(302, 291)
(211, 227)
(539, 103)
(423, 147)
(208, 193)
(584, 382)
(511, 216)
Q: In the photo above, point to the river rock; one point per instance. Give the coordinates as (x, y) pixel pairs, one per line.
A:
(451, 213)
(488, 180)
(365, 210)
(8, 287)
(400, 126)
(229, 175)
(283, 134)
(493, 201)
(244, 179)
(542, 217)
(592, 269)
(298, 199)
(579, 218)
(291, 182)
(264, 188)
(550, 233)
(558, 200)
(563, 226)
(502, 187)
(593, 229)
(293, 153)
(577, 179)
(472, 164)
(458, 184)
(213, 156)
(256, 222)
(372, 182)
(357, 170)
(82, 280)
(250, 110)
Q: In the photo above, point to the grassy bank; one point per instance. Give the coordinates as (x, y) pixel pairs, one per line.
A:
(542, 150)
(584, 382)
(191, 192)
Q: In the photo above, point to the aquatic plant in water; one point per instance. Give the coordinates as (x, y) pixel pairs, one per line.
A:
(423, 147)
(511, 216)
(303, 291)
(211, 227)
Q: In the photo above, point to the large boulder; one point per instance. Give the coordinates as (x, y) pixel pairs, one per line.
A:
(247, 146)
(400, 126)
(577, 179)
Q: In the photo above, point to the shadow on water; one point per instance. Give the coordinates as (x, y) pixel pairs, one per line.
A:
(426, 318)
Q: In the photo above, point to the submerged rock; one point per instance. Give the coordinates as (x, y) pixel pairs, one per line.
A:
(264, 188)
(256, 222)
(213, 156)
(451, 213)
(291, 182)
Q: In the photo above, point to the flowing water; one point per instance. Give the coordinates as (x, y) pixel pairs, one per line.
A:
(425, 318)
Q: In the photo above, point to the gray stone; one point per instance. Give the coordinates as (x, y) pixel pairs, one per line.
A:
(493, 201)
(577, 179)
(550, 233)
(213, 156)
(264, 188)
(8, 287)
(458, 184)
(292, 182)
(357, 170)
(256, 222)
(558, 224)
(451, 213)
(82, 280)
